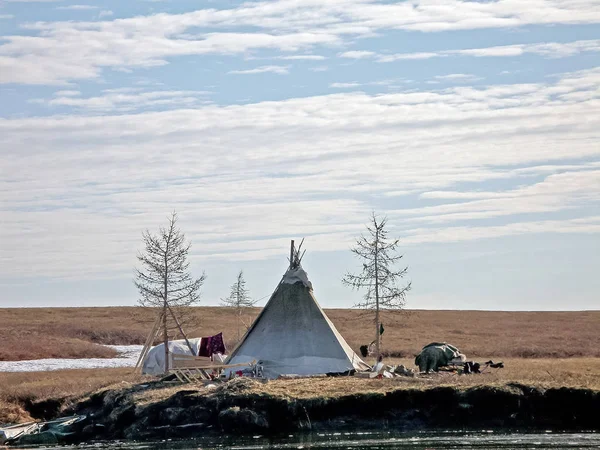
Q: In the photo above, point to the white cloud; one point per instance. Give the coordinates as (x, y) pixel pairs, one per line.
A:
(304, 57)
(458, 77)
(67, 93)
(105, 13)
(243, 175)
(63, 51)
(357, 54)
(77, 7)
(401, 56)
(128, 99)
(569, 190)
(344, 85)
(547, 49)
(6, 16)
(353, 84)
(454, 76)
(589, 225)
(280, 70)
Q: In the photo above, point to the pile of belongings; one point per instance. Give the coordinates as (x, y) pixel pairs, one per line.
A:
(381, 370)
(54, 432)
(438, 354)
(254, 370)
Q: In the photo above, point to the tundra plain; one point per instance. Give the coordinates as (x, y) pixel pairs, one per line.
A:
(546, 349)
(34, 333)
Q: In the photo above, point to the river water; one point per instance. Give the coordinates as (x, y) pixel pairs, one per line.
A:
(373, 440)
(127, 356)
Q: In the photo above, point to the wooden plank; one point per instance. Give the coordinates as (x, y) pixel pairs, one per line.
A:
(178, 375)
(216, 366)
(148, 343)
(186, 376)
(201, 372)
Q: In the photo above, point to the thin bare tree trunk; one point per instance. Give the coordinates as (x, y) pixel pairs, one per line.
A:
(166, 337)
(378, 275)
(165, 270)
(165, 306)
(377, 335)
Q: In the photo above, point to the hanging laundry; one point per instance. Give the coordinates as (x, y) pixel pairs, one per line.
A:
(212, 344)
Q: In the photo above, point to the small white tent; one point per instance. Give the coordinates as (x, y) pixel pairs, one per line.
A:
(154, 363)
(292, 334)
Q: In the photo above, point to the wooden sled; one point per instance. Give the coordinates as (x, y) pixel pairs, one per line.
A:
(193, 369)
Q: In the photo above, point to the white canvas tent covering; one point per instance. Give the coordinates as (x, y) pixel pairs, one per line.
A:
(154, 363)
(292, 334)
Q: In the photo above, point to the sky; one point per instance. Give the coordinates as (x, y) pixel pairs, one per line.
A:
(473, 126)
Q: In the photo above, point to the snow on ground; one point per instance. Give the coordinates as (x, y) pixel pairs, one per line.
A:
(128, 355)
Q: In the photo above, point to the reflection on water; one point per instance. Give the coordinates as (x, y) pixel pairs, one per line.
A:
(372, 441)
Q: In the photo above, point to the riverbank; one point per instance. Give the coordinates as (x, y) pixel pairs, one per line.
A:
(525, 395)
(46, 395)
(155, 411)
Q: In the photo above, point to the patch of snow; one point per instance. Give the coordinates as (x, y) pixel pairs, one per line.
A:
(294, 276)
(127, 357)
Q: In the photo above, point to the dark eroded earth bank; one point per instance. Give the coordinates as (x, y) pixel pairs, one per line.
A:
(153, 411)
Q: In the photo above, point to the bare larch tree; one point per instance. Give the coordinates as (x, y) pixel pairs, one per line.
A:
(379, 275)
(164, 281)
(239, 298)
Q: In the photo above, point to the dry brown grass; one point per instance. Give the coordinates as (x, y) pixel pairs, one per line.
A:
(542, 373)
(73, 332)
(19, 390)
(479, 334)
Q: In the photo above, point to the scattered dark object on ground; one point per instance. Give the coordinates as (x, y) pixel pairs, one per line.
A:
(347, 373)
(471, 367)
(493, 365)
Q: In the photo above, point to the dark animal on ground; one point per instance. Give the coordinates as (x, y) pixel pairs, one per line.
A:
(494, 365)
(436, 355)
(471, 367)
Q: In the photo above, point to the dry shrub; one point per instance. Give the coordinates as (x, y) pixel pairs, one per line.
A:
(19, 390)
(13, 413)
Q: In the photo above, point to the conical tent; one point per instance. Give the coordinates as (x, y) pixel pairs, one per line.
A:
(293, 335)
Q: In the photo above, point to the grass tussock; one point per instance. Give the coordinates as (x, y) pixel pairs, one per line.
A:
(18, 391)
(74, 332)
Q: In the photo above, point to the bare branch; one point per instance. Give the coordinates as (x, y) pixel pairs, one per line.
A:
(165, 258)
(378, 277)
(239, 298)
